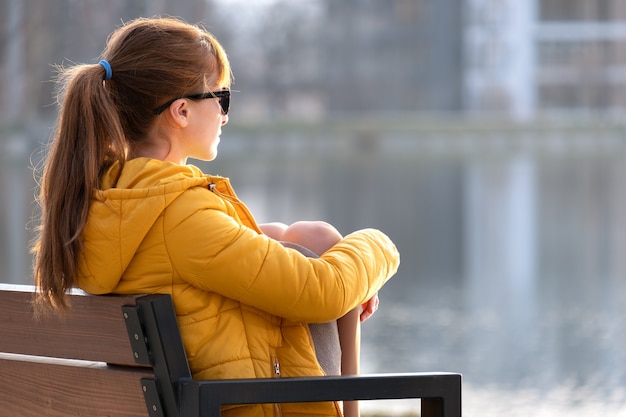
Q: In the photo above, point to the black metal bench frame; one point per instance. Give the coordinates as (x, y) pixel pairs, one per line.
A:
(153, 320)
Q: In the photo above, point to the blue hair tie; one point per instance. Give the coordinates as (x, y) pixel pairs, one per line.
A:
(107, 68)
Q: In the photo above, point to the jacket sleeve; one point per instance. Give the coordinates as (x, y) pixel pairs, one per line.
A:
(212, 251)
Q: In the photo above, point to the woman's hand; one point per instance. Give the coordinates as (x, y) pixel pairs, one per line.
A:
(369, 308)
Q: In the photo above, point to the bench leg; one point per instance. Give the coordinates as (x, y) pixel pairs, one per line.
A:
(436, 407)
(432, 407)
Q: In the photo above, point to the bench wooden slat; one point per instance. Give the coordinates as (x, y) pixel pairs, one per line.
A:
(99, 335)
(30, 389)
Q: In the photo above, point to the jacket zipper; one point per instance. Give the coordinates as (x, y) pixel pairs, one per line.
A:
(232, 197)
(278, 412)
(229, 197)
(276, 366)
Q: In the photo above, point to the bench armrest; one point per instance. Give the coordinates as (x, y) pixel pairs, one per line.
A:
(440, 392)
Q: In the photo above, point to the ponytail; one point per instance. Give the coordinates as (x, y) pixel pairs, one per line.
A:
(88, 139)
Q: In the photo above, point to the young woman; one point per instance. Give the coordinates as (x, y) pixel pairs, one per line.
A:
(123, 212)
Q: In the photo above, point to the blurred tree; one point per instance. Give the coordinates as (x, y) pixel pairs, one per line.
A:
(11, 51)
(39, 34)
(397, 55)
(311, 59)
(275, 54)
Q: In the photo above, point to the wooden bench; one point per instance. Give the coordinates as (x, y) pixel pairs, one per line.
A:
(123, 356)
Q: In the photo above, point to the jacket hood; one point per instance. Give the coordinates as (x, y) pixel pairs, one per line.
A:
(122, 213)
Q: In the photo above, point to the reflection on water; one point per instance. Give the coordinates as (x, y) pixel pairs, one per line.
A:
(512, 270)
(560, 352)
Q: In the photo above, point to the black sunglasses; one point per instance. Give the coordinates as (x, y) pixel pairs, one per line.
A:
(222, 95)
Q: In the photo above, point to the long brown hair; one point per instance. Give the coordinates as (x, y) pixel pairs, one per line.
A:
(101, 121)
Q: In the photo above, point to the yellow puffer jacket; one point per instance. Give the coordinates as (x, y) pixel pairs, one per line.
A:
(241, 298)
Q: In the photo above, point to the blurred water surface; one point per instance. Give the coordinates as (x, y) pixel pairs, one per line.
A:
(512, 244)
(513, 269)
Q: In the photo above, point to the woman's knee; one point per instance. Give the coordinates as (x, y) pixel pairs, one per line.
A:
(275, 230)
(305, 229)
(317, 236)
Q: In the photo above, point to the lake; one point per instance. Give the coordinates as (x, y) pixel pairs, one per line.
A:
(512, 243)
(513, 254)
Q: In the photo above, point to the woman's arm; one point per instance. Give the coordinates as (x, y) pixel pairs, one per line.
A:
(212, 251)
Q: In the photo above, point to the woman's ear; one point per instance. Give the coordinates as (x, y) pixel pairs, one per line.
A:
(179, 112)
